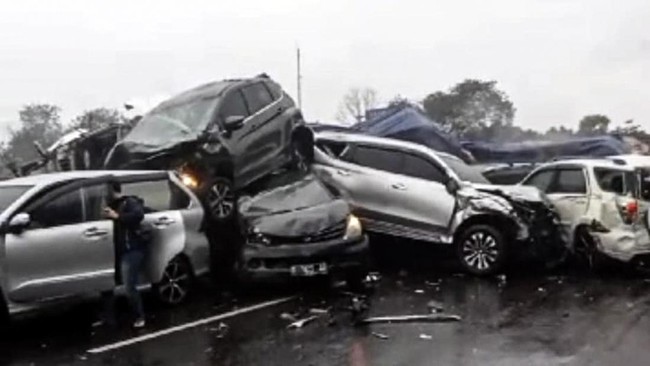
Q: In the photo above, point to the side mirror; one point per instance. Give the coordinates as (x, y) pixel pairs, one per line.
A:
(233, 123)
(19, 222)
(452, 186)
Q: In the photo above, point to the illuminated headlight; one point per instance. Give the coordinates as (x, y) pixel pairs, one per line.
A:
(353, 229)
(189, 180)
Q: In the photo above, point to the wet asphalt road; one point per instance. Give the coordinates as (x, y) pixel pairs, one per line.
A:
(563, 318)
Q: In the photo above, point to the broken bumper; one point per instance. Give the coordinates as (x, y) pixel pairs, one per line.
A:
(280, 262)
(624, 244)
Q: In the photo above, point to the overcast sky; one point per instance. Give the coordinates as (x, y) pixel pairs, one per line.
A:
(557, 59)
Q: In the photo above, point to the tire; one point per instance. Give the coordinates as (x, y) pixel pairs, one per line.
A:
(586, 249)
(220, 199)
(176, 284)
(481, 250)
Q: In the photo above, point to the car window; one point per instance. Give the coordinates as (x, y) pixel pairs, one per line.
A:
(275, 90)
(542, 180)
(94, 202)
(380, 159)
(63, 210)
(570, 181)
(158, 195)
(257, 96)
(339, 150)
(9, 194)
(418, 167)
(233, 105)
(615, 181)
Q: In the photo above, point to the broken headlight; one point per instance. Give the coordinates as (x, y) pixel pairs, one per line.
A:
(257, 238)
(353, 229)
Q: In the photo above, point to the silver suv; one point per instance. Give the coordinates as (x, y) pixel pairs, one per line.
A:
(408, 190)
(56, 245)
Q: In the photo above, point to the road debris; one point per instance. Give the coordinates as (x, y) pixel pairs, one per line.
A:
(380, 335)
(221, 330)
(302, 322)
(435, 306)
(317, 311)
(428, 318)
(289, 317)
(419, 291)
(432, 283)
(372, 277)
(502, 280)
(426, 337)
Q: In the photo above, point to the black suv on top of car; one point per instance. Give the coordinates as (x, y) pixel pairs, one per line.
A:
(221, 136)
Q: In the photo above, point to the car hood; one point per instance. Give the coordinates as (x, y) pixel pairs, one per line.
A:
(518, 192)
(304, 206)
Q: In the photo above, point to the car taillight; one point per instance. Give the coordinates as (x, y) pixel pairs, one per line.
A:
(630, 212)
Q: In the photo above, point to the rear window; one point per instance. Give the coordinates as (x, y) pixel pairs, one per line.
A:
(615, 181)
(9, 194)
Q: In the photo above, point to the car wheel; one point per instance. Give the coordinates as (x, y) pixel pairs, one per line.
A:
(176, 283)
(586, 249)
(481, 250)
(221, 199)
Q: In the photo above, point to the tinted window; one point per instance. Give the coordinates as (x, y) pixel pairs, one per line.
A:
(467, 173)
(615, 181)
(62, 210)
(233, 105)
(94, 202)
(542, 180)
(156, 194)
(417, 167)
(275, 90)
(257, 97)
(570, 181)
(9, 195)
(386, 160)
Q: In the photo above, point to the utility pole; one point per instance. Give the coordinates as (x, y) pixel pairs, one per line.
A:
(299, 78)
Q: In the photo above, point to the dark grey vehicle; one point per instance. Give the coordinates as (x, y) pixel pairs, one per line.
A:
(298, 227)
(408, 190)
(222, 136)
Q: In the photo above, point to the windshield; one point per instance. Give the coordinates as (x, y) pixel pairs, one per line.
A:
(173, 123)
(467, 173)
(9, 195)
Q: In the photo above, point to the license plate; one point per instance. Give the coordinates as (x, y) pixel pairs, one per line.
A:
(309, 270)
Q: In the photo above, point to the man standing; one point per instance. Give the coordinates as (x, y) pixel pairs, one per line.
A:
(128, 212)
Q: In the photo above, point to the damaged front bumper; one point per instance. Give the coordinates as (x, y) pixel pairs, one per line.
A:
(285, 261)
(625, 243)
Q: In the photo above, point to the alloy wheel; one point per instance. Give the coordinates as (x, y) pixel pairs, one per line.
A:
(222, 200)
(175, 284)
(480, 251)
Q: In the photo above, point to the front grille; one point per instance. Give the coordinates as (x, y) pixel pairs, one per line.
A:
(333, 232)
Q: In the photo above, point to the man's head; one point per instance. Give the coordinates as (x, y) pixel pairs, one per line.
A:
(114, 191)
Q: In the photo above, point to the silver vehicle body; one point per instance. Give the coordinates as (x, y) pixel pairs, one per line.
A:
(45, 262)
(414, 207)
(594, 206)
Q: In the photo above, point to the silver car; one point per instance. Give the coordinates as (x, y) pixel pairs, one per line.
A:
(55, 245)
(408, 190)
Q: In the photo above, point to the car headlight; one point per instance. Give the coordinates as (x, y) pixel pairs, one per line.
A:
(255, 237)
(353, 229)
(189, 180)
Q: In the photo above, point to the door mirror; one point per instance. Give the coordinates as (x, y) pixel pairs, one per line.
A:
(233, 123)
(452, 186)
(19, 222)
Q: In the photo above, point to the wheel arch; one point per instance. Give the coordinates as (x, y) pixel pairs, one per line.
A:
(494, 220)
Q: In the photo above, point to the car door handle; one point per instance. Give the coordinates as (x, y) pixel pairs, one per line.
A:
(163, 221)
(94, 232)
(343, 173)
(398, 186)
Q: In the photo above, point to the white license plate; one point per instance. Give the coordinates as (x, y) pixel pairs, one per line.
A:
(309, 270)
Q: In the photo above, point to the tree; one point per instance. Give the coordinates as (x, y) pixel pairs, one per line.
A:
(470, 107)
(39, 123)
(594, 124)
(356, 102)
(97, 118)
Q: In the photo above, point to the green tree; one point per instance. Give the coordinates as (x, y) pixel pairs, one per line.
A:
(97, 118)
(40, 123)
(470, 107)
(594, 124)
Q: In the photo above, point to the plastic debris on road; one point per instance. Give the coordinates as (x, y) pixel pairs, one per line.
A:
(426, 337)
(435, 306)
(302, 322)
(428, 318)
(380, 335)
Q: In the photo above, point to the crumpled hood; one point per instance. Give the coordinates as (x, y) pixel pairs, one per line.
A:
(302, 222)
(518, 192)
(295, 206)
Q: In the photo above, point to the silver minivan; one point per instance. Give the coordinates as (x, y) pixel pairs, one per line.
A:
(55, 245)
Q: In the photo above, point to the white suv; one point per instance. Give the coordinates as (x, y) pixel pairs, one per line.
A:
(598, 206)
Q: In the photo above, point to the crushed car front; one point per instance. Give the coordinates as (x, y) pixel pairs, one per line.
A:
(298, 227)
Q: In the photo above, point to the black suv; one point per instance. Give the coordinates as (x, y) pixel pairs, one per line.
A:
(221, 137)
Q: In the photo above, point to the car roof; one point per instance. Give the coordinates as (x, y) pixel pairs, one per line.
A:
(633, 160)
(351, 137)
(589, 163)
(50, 178)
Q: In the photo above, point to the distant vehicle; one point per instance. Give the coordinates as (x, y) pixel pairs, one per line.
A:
(599, 207)
(222, 136)
(56, 245)
(408, 190)
(297, 227)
